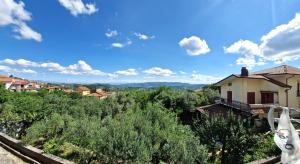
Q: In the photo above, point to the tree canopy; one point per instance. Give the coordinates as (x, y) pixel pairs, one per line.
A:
(132, 126)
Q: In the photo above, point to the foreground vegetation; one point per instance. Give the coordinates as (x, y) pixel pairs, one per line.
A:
(134, 126)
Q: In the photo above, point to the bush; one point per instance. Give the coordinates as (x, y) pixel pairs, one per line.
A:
(232, 136)
(265, 147)
(150, 135)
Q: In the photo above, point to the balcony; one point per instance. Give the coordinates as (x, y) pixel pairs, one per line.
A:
(235, 104)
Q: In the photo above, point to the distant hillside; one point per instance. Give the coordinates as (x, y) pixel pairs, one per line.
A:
(158, 84)
(146, 85)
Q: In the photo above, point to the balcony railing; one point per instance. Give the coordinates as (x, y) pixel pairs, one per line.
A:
(235, 104)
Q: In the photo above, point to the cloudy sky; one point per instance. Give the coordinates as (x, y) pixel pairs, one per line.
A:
(119, 41)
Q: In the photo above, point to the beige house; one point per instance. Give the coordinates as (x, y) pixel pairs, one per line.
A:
(54, 88)
(278, 85)
(83, 90)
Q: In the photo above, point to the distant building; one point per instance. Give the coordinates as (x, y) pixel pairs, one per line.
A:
(68, 90)
(99, 93)
(7, 81)
(19, 86)
(54, 88)
(34, 86)
(83, 90)
(13, 84)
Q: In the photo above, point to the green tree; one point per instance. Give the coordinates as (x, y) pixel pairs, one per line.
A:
(264, 147)
(151, 135)
(233, 136)
(20, 112)
(4, 94)
(135, 136)
(211, 95)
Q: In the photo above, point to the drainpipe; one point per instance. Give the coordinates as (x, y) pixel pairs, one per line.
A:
(286, 91)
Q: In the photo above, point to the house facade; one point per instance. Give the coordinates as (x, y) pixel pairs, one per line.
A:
(83, 90)
(13, 84)
(6, 81)
(278, 85)
(19, 86)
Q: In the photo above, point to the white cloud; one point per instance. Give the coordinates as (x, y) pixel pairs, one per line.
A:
(117, 45)
(129, 42)
(194, 46)
(13, 13)
(28, 71)
(53, 67)
(77, 7)
(250, 61)
(121, 45)
(156, 71)
(182, 72)
(4, 68)
(204, 79)
(80, 68)
(282, 43)
(10, 70)
(111, 33)
(19, 62)
(251, 53)
(112, 75)
(128, 72)
(27, 33)
(143, 36)
(243, 47)
(117, 74)
(279, 45)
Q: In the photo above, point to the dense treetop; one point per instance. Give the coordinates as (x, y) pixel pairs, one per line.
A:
(133, 126)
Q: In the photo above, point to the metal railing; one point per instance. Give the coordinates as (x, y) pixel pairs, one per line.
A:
(235, 104)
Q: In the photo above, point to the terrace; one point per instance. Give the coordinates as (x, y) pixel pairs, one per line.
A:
(243, 107)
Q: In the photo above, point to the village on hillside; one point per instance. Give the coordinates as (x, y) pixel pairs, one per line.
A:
(15, 84)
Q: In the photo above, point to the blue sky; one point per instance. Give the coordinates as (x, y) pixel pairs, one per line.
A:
(119, 41)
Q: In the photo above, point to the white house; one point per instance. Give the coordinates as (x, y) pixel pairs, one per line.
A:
(278, 85)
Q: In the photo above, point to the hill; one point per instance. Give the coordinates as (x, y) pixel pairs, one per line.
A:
(159, 84)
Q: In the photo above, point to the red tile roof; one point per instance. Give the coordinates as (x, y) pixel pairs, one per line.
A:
(284, 69)
(20, 82)
(97, 95)
(6, 79)
(53, 87)
(262, 77)
(83, 88)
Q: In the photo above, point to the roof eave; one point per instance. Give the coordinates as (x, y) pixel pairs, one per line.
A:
(217, 83)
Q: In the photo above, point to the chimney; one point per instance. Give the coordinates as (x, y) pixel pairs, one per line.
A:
(244, 71)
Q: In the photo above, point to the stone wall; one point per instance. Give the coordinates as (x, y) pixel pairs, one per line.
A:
(28, 153)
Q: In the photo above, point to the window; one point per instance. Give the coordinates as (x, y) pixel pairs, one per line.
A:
(251, 97)
(229, 84)
(298, 89)
(267, 98)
